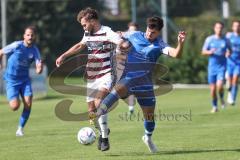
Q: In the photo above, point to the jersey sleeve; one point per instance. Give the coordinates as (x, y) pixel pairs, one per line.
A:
(84, 39)
(228, 35)
(37, 56)
(229, 46)
(164, 47)
(10, 48)
(128, 34)
(206, 44)
(113, 37)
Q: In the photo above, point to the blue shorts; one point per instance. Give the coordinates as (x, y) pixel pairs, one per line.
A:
(215, 76)
(233, 69)
(23, 89)
(142, 88)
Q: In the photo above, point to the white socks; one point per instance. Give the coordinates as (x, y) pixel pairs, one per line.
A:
(103, 125)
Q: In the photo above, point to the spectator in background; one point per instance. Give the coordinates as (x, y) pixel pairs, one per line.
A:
(132, 26)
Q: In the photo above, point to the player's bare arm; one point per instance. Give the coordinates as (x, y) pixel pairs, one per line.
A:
(73, 50)
(208, 52)
(177, 52)
(39, 67)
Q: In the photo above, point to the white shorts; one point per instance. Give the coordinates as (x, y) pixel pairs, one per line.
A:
(93, 86)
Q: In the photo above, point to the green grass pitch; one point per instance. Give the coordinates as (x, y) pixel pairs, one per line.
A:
(187, 132)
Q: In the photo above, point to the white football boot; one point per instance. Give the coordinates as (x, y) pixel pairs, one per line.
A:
(149, 143)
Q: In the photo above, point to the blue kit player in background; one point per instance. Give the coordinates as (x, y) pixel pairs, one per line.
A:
(20, 56)
(233, 62)
(136, 79)
(217, 47)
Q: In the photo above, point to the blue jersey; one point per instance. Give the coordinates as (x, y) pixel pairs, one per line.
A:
(20, 58)
(143, 53)
(217, 60)
(235, 45)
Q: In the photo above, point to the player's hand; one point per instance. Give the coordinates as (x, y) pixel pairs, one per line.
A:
(59, 61)
(227, 54)
(124, 47)
(120, 33)
(181, 36)
(212, 51)
(39, 67)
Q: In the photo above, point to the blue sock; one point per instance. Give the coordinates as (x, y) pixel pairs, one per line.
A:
(108, 102)
(234, 92)
(149, 127)
(214, 102)
(24, 117)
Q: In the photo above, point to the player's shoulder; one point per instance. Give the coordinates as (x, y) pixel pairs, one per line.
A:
(229, 34)
(105, 28)
(134, 34)
(210, 38)
(17, 43)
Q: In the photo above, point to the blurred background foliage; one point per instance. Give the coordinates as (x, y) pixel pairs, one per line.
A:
(58, 28)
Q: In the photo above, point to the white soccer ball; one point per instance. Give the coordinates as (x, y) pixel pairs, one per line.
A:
(86, 136)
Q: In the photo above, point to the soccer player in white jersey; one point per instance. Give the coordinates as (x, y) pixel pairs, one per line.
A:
(100, 41)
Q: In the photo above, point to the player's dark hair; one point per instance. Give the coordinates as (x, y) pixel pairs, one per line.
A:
(88, 14)
(155, 22)
(133, 24)
(219, 22)
(235, 21)
(31, 27)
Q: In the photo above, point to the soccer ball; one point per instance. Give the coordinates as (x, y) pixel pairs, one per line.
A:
(86, 136)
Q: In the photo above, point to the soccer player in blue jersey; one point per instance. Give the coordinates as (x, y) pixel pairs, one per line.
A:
(136, 78)
(217, 47)
(233, 62)
(20, 56)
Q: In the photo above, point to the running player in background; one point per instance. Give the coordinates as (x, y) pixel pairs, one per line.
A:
(233, 62)
(100, 41)
(20, 56)
(132, 26)
(217, 47)
(136, 79)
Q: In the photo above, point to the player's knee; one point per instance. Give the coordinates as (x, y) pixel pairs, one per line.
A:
(91, 106)
(14, 105)
(27, 104)
(121, 90)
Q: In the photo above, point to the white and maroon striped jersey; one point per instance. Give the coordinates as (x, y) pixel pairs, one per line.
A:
(101, 46)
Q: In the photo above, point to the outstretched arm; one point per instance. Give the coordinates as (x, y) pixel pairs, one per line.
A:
(177, 52)
(73, 50)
